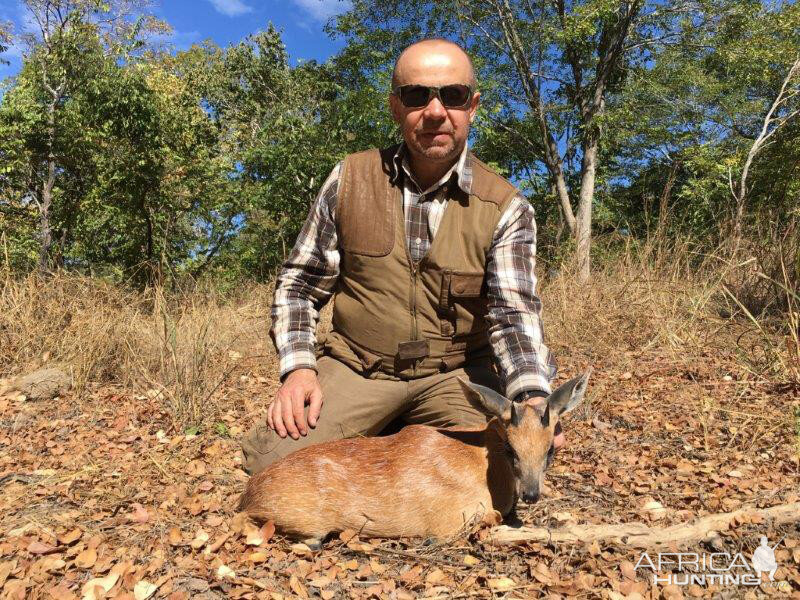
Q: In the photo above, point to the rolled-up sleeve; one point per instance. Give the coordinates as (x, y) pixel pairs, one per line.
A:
(516, 333)
(306, 282)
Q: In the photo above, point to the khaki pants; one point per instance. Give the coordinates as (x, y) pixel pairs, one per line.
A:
(355, 405)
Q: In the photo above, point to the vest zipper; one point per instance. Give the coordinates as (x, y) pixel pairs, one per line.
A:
(414, 326)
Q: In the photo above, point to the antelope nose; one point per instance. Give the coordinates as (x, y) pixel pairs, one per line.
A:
(530, 497)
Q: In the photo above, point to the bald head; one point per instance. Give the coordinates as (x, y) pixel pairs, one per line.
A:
(433, 55)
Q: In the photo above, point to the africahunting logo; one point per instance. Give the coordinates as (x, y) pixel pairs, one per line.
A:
(719, 568)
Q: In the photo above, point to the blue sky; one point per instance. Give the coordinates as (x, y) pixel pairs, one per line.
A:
(224, 22)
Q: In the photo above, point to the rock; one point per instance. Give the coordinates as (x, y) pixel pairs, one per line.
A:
(43, 384)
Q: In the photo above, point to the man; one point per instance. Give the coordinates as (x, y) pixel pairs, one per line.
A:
(764, 559)
(430, 255)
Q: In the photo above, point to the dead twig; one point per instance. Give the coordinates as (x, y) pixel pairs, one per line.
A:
(639, 535)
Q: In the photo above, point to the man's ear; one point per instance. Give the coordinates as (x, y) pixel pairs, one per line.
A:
(473, 107)
(395, 107)
(569, 395)
(494, 403)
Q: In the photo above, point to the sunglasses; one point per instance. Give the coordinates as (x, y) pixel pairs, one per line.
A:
(417, 96)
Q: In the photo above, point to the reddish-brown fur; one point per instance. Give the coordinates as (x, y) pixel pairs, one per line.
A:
(422, 481)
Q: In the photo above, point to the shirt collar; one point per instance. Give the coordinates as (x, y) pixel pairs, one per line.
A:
(462, 169)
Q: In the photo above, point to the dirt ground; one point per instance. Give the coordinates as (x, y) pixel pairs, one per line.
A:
(99, 497)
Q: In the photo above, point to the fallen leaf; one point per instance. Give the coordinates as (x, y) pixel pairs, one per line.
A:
(543, 574)
(199, 540)
(412, 575)
(105, 583)
(435, 576)
(86, 559)
(36, 547)
(268, 530)
(351, 565)
(253, 535)
(320, 582)
(196, 468)
(297, 587)
(70, 537)
(655, 510)
(214, 520)
(301, 549)
(144, 589)
(377, 567)
(5, 570)
(502, 584)
(257, 557)
(61, 592)
(627, 570)
(225, 572)
(175, 537)
(54, 564)
(140, 514)
(470, 560)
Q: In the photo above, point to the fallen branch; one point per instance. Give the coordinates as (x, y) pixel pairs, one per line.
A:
(639, 535)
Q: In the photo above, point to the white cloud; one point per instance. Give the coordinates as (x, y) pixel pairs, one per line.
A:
(231, 8)
(322, 10)
(183, 39)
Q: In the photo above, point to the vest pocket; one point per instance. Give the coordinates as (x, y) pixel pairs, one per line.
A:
(466, 301)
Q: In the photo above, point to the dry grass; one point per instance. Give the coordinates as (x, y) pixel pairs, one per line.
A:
(182, 348)
(668, 426)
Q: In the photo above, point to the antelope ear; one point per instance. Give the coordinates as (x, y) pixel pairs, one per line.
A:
(569, 395)
(494, 403)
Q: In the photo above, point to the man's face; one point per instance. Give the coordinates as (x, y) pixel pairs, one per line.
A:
(433, 132)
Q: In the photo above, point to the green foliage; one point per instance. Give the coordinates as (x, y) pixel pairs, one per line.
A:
(700, 104)
(284, 128)
(171, 166)
(5, 40)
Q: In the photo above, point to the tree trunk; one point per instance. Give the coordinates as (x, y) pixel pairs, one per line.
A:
(45, 227)
(561, 219)
(562, 193)
(583, 227)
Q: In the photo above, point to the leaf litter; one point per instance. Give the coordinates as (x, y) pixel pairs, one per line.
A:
(95, 505)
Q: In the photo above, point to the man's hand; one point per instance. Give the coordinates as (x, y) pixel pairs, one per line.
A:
(286, 414)
(558, 435)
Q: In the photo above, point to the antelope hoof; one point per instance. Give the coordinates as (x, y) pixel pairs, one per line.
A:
(314, 544)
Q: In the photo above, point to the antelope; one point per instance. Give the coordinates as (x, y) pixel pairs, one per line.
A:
(422, 481)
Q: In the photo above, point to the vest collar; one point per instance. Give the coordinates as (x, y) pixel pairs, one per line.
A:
(462, 170)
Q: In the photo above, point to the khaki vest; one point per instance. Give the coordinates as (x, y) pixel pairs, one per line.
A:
(397, 318)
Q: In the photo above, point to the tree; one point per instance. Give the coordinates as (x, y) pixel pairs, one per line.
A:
(5, 40)
(780, 113)
(66, 31)
(707, 104)
(285, 128)
(548, 71)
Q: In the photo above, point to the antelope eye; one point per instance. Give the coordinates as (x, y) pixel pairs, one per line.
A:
(550, 454)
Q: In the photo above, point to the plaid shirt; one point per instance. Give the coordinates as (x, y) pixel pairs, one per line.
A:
(308, 277)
